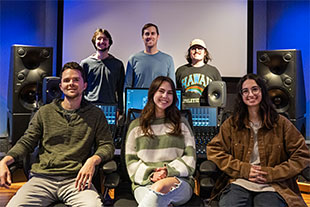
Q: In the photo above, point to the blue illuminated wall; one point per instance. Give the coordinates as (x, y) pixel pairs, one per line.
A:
(289, 27)
(28, 23)
(285, 25)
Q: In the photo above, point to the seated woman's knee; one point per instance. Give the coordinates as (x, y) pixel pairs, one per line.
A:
(164, 185)
(159, 187)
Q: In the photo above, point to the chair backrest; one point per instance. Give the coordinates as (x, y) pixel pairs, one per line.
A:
(29, 159)
(186, 113)
(132, 115)
(306, 173)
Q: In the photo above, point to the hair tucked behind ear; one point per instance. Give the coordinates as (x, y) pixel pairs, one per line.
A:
(172, 114)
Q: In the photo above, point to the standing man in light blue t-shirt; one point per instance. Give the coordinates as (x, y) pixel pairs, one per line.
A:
(143, 67)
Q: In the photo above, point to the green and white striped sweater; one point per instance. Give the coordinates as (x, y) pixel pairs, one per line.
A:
(145, 154)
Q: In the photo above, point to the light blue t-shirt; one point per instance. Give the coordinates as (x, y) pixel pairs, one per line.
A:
(143, 68)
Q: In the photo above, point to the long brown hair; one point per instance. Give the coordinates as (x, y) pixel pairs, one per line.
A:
(172, 114)
(267, 112)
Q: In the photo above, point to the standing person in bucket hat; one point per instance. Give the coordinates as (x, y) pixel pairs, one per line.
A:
(194, 76)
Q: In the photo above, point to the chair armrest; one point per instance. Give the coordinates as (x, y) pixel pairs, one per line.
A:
(13, 167)
(208, 167)
(109, 167)
(207, 183)
(306, 173)
(111, 180)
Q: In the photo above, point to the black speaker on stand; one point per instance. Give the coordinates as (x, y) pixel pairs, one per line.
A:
(28, 66)
(216, 97)
(282, 72)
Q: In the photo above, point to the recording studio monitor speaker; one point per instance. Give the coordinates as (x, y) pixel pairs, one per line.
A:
(28, 66)
(283, 74)
(50, 89)
(217, 94)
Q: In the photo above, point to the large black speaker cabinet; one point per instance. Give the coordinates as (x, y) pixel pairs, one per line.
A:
(283, 73)
(17, 124)
(51, 89)
(28, 66)
(232, 93)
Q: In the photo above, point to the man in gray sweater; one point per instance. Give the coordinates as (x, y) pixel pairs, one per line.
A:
(66, 130)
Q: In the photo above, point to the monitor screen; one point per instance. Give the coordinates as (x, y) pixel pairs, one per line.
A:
(109, 112)
(136, 98)
(204, 116)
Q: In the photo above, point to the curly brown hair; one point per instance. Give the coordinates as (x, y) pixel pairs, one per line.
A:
(172, 113)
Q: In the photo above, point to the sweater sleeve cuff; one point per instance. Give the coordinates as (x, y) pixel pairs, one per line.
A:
(269, 173)
(14, 155)
(170, 171)
(245, 170)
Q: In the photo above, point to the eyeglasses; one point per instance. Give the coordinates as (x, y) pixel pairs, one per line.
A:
(245, 91)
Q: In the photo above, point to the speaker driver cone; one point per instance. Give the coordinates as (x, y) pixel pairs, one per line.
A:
(280, 99)
(277, 65)
(29, 95)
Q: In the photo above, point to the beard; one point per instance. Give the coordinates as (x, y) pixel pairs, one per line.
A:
(103, 50)
(72, 95)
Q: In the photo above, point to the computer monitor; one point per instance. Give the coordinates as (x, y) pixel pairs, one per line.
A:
(204, 115)
(136, 98)
(109, 112)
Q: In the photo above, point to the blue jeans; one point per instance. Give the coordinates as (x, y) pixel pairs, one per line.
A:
(235, 195)
(177, 196)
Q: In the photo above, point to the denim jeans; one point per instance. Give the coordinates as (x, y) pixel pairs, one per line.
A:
(237, 196)
(177, 196)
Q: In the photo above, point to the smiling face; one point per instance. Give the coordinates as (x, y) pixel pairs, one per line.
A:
(197, 53)
(72, 84)
(150, 37)
(251, 93)
(102, 42)
(163, 98)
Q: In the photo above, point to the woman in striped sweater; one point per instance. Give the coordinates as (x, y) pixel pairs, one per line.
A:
(160, 150)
